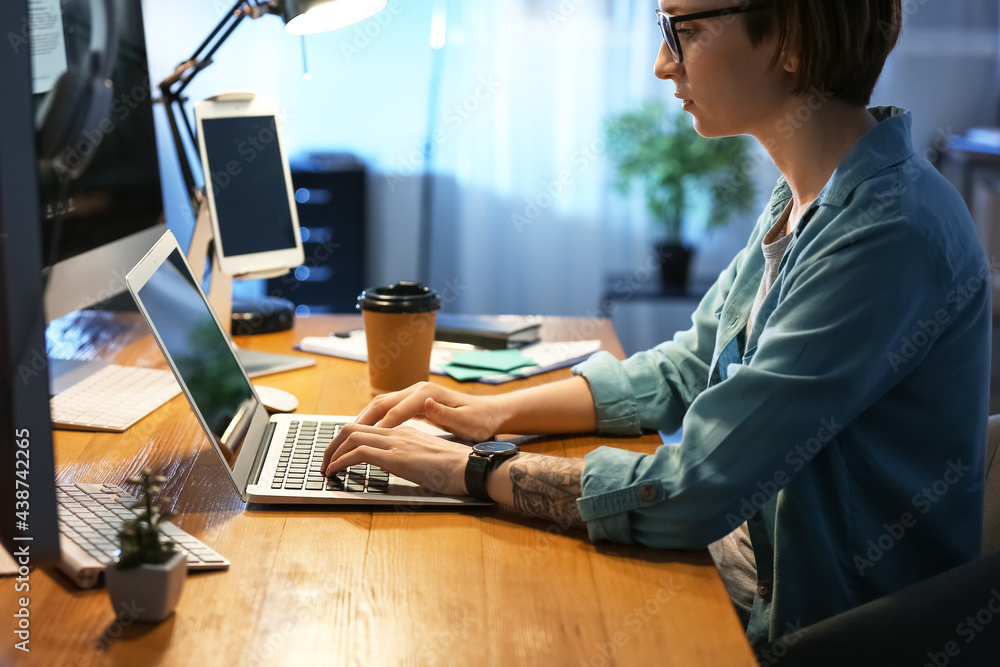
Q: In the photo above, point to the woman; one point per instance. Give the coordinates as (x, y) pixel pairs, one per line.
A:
(833, 387)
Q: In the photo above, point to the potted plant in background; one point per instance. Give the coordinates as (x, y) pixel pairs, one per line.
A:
(146, 578)
(661, 149)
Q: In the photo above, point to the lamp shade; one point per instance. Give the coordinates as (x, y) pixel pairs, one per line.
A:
(306, 17)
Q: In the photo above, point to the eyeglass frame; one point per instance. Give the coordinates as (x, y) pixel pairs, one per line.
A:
(671, 37)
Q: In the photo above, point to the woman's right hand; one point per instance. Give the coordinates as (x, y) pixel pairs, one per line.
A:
(470, 418)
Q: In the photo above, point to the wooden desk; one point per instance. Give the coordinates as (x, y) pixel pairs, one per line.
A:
(330, 586)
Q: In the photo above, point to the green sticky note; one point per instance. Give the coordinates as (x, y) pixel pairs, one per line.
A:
(500, 361)
(464, 374)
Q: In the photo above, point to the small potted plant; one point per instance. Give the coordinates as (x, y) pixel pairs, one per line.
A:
(661, 149)
(146, 578)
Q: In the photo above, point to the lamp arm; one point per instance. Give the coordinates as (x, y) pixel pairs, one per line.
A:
(172, 87)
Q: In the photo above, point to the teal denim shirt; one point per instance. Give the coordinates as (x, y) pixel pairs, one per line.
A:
(849, 430)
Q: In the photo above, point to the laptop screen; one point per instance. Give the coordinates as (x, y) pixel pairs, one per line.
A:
(200, 354)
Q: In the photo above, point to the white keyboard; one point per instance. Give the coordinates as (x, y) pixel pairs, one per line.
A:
(90, 516)
(113, 398)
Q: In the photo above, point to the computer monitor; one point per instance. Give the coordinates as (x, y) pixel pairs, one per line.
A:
(114, 211)
(28, 523)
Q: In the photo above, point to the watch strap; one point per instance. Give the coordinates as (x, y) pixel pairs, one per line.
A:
(475, 476)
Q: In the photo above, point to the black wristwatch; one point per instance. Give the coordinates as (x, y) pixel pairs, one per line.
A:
(483, 458)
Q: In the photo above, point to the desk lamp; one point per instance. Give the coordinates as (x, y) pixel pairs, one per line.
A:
(302, 17)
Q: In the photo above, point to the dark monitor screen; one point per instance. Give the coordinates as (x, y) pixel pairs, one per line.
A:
(119, 193)
(251, 202)
(28, 521)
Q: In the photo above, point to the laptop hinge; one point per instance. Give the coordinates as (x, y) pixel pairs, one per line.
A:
(258, 463)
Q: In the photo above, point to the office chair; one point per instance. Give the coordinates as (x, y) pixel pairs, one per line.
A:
(68, 122)
(918, 625)
(991, 500)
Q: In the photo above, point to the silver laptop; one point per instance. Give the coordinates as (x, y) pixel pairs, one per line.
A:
(270, 460)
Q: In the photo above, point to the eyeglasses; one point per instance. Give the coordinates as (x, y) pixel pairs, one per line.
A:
(668, 24)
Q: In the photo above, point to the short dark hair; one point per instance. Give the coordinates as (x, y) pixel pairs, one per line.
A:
(843, 45)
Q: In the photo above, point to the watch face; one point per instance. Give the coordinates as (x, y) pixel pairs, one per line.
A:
(496, 447)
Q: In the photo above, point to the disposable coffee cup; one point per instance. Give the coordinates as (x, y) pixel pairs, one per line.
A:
(399, 328)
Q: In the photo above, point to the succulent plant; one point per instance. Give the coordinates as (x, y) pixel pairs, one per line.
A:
(142, 540)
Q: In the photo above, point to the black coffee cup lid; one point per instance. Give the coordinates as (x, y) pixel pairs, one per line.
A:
(402, 297)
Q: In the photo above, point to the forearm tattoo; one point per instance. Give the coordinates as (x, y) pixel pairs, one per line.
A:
(547, 487)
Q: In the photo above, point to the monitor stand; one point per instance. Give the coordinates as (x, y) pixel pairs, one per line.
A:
(220, 296)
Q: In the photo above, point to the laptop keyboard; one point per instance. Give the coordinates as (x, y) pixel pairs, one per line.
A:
(301, 462)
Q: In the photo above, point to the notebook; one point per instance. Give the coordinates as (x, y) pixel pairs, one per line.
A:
(272, 459)
(492, 332)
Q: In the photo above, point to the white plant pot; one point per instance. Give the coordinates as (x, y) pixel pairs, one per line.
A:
(146, 592)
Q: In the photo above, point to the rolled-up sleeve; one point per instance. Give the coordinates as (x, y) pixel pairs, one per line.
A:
(810, 369)
(614, 399)
(610, 492)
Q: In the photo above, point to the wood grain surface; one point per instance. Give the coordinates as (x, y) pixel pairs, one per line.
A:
(335, 586)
